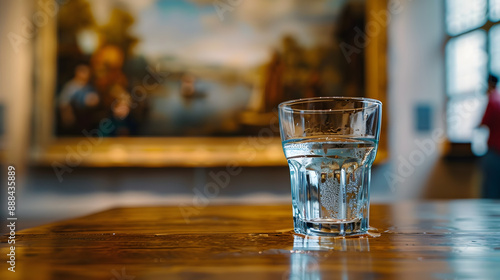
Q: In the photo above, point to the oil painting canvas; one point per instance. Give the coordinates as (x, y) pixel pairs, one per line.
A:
(199, 68)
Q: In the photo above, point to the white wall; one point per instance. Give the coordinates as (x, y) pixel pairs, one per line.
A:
(416, 75)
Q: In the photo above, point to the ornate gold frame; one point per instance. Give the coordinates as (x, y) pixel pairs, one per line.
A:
(186, 151)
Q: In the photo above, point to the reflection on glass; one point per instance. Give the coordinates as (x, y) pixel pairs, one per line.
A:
(303, 266)
(494, 10)
(464, 15)
(305, 262)
(495, 49)
(467, 61)
(313, 243)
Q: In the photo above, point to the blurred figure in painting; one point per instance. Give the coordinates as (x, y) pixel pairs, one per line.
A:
(491, 161)
(113, 87)
(76, 96)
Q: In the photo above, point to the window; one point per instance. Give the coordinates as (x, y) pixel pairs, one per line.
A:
(495, 10)
(465, 15)
(473, 51)
(495, 49)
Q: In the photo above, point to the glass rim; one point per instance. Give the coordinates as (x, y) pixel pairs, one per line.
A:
(285, 106)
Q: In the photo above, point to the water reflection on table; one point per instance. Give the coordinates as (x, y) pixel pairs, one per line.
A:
(305, 262)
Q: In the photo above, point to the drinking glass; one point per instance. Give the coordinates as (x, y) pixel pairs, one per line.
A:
(330, 144)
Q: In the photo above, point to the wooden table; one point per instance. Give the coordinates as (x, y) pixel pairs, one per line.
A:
(429, 240)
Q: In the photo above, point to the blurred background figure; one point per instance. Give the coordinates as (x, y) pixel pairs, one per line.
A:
(112, 84)
(491, 161)
(123, 123)
(187, 85)
(76, 98)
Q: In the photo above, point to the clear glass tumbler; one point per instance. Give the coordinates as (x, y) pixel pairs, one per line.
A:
(330, 144)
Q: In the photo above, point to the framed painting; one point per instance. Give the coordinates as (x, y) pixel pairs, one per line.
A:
(195, 82)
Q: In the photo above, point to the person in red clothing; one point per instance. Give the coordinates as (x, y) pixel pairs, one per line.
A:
(491, 161)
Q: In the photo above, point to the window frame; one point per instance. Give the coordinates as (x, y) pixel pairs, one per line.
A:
(486, 27)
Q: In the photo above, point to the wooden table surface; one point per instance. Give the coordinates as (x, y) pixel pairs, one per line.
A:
(457, 239)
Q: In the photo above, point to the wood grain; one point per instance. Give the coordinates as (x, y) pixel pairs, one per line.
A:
(429, 240)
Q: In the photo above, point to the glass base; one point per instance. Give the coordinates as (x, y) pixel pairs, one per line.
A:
(332, 229)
